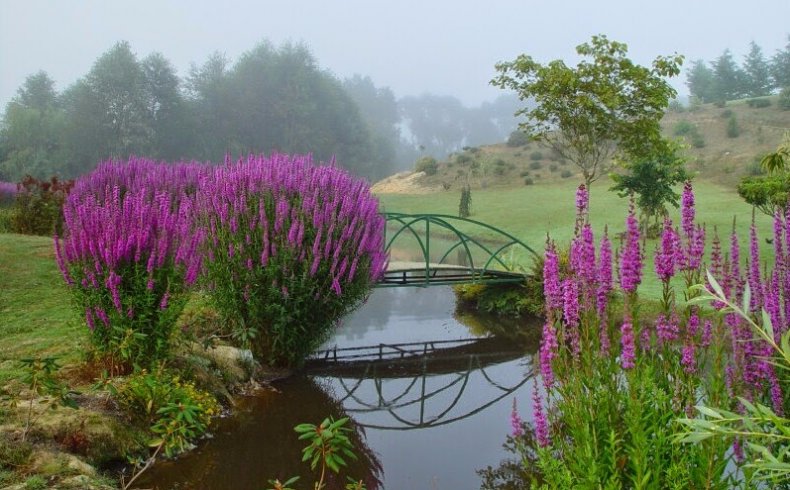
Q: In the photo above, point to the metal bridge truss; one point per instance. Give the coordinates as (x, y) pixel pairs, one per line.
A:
(482, 260)
(355, 369)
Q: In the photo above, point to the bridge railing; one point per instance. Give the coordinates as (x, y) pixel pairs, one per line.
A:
(445, 249)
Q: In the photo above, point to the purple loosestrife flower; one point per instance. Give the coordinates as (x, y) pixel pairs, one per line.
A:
(571, 314)
(665, 255)
(516, 428)
(753, 272)
(631, 259)
(688, 361)
(666, 329)
(604, 274)
(707, 333)
(541, 423)
(627, 342)
(548, 351)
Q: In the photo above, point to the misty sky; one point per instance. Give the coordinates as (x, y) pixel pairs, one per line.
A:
(443, 47)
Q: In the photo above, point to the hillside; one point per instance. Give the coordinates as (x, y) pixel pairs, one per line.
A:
(712, 154)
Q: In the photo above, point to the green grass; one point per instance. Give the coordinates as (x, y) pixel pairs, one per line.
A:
(532, 212)
(36, 316)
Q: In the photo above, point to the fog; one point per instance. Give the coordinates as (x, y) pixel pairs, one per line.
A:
(413, 47)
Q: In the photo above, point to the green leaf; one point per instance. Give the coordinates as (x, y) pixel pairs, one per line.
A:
(155, 442)
(708, 411)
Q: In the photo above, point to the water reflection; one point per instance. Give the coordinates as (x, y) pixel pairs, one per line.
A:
(455, 404)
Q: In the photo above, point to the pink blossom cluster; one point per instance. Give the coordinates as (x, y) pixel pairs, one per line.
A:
(8, 192)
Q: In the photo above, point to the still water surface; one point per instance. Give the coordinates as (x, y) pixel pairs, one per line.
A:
(424, 424)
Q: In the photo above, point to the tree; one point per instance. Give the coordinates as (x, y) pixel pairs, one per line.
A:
(757, 78)
(32, 131)
(728, 78)
(604, 106)
(165, 110)
(780, 66)
(652, 178)
(699, 80)
(769, 193)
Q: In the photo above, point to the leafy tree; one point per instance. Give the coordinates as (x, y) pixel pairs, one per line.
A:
(769, 193)
(757, 78)
(728, 78)
(780, 66)
(652, 178)
(32, 130)
(208, 97)
(605, 105)
(700, 81)
(165, 109)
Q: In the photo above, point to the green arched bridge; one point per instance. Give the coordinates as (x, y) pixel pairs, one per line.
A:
(438, 249)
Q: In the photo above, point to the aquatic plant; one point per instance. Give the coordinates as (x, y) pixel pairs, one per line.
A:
(128, 252)
(292, 248)
(617, 375)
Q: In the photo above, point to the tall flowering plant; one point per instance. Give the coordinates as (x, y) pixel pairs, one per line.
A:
(128, 252)
(291, 248)
(617, 372)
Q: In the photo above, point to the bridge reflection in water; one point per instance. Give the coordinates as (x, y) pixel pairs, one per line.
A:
(419, 385)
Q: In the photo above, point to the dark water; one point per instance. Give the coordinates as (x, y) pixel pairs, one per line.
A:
(428, 423)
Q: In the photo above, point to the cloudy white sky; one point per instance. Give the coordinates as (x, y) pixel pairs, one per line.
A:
(437, 46)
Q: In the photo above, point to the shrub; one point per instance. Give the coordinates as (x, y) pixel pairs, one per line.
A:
(553, 167)
(429, 165)
(7, 193)
(565, 174)
(535, 165)
(175, 410)
(784, 99)
(517, 138)
(758, 103)
(683, 128)
(529, 181)
(697, 141)
(733, 130)
(6, 220)
(293, 248)
(676, 106)
(524, 173)
(129, 250)
(464, 158)
(536, 155)
(37, 207)
(465, 203)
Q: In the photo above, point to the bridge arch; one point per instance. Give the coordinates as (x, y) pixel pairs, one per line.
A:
(481, 251)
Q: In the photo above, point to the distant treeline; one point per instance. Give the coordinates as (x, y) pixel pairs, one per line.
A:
(271, 98)
(723, 79)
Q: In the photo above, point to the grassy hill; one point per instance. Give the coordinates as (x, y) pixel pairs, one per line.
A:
(713, 154)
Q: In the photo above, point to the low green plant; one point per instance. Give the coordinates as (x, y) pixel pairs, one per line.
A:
(565, 174)
(517, 138)
(536, 155)
(429, 165)
(535, 164)
(784, 99)
(329, 446)
(465, 204)
(733, 129)
(38, 206)
(40, 379)
(767, 434)
(529, 181)
(683, 128)
(758, 103)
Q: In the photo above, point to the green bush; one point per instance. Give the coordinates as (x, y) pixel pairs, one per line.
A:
(524, 173)
(683, 128)
(536, 155)
(565, 174)
(553, 167)
(429, 165)
(517, 138)
(535, 164)
(733, 129)
(6, 220)
(175, 410)
(38, 206)
(697, 141)
(529, 181)
(784, 99)
(758, 103)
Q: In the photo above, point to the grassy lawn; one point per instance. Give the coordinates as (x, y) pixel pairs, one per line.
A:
(530, 212)
(36, 316)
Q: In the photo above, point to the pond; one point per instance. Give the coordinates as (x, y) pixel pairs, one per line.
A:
(423, 422)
